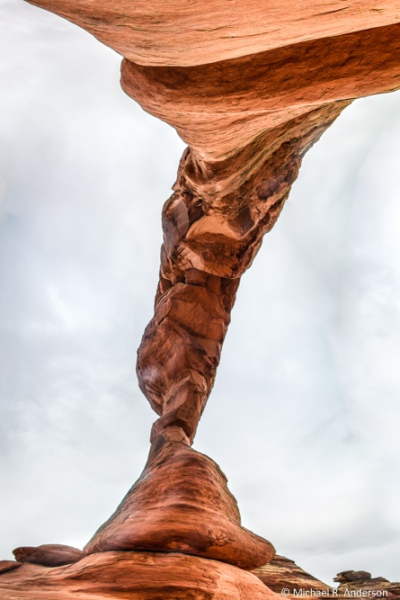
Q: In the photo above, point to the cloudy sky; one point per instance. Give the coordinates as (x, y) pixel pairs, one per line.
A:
(305, 413)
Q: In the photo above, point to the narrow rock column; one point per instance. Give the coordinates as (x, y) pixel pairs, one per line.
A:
(210, 239)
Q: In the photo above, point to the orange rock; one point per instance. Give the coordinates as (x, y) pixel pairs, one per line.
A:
(221, 107)
(181, 503)
(282, 573)
(213, 227)
(8, 565)
(250, 86)
(50, 555)
(361, 584)
(181, 32)
(134, 576)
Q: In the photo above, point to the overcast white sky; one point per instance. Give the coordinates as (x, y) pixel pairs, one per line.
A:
(305, 414)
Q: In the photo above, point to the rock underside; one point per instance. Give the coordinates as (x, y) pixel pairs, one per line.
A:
(250, 91)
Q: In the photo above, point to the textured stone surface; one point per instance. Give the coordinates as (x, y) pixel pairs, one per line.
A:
(181, 32)
(134, 576)
(361, 582)
(8, 565)
(174, 576)
(181, 503)
(213, 227)
(219, 108)
(283, 573)
(50, 555)
(250, 86)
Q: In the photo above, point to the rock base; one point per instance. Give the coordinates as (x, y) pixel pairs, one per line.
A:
(134, 576)
(181, 503)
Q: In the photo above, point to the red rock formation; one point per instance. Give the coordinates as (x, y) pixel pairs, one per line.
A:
(221, 107)
(50, 555)
(181, 504)
(360, 583)
(211, 236)
(182, 33)
(282, 573)
(8, 565)
(175, 576)
(250, 87)
(134, 576)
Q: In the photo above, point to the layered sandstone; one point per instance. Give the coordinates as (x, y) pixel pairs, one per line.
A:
(221, 107)
(361, 583)
(183, 33)
(250, 86)
(175, 576)
(8, 565)
(248, 115)
(134, 576)
(282, 573)
(50, 555)
(181, 503)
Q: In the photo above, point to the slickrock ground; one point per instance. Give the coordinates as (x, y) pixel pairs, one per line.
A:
(134, 576)
(175, 576)
(250, 86)
(281, 573)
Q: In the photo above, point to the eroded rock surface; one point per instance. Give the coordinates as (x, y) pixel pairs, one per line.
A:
(8, 565)
(250, 86)
(353, 583)
(220, 108)
(183, 33)
(213, 229)
(50, 555)
(134, 576)
(181, 503)
(175, 576)
(282, 573)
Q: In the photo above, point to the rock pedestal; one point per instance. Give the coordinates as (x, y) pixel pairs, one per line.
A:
(181, 503)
